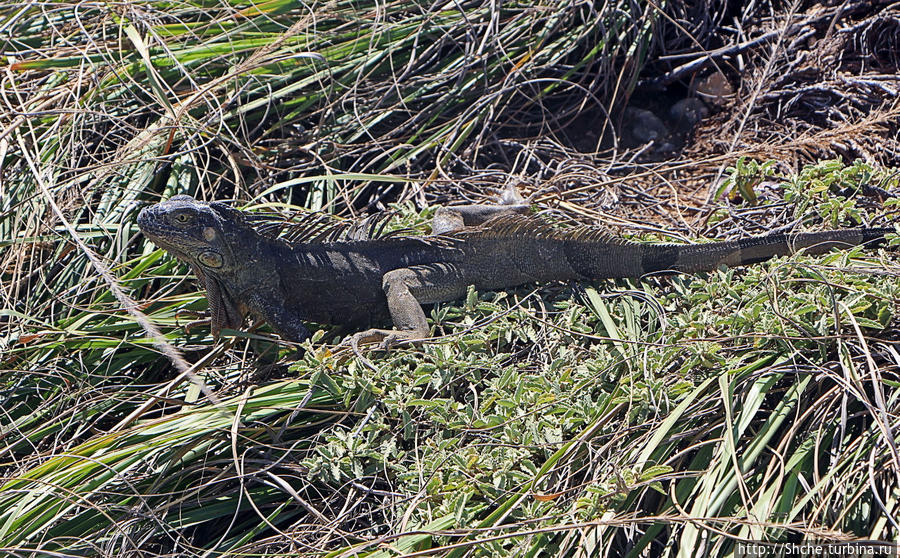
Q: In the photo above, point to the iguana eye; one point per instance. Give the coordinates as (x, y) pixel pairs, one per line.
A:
(182, 217)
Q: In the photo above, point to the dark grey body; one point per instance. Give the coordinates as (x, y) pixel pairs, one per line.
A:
(349, 274)
(366, 282)
(337, 283)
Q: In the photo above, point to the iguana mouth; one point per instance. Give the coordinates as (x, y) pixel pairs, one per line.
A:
(148, 223)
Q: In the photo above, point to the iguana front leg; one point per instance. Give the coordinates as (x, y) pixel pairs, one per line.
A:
(285, 321)
(407, 289)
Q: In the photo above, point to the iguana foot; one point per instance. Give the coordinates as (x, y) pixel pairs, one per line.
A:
(384, 338)
(200, 319)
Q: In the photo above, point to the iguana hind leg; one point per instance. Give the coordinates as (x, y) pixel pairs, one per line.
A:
(454, 218)
(407, 289)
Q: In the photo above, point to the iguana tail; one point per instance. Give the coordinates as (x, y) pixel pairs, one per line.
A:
(597, 260)
(690, 258)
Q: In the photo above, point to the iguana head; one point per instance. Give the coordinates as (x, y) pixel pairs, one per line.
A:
(198, 233)
(208, 236)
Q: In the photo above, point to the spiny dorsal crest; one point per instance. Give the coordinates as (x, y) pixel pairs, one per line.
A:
(321, 228)
(507, 226)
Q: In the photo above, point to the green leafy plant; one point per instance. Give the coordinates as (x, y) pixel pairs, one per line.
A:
(744, 176)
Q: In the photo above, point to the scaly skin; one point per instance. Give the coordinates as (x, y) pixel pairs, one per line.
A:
(364, 282)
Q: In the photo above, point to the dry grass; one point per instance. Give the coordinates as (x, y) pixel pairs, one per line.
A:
(663, 417)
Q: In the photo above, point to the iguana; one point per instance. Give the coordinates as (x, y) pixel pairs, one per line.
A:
(249, 266)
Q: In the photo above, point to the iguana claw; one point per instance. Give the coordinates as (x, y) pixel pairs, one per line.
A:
(384, 338)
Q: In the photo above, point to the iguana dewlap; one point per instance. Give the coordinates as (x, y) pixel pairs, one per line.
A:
(311, 276)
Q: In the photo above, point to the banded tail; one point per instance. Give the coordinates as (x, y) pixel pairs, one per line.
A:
(628, 259)
(692, 258)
